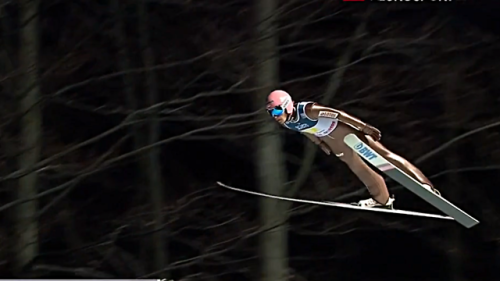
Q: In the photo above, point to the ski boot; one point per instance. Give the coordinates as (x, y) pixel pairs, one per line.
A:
(371, 203)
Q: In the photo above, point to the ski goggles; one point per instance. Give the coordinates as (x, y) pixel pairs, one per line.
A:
(276, 111)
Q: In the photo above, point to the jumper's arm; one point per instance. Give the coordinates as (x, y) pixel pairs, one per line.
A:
(316, 111)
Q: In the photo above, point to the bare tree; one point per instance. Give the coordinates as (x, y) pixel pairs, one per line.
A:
(270, 160)
(129, 82)
(451, 83)
(154, 178)
(125, 64)
(28, 91)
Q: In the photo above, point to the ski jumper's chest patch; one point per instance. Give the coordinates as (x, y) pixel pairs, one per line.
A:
(302, 123)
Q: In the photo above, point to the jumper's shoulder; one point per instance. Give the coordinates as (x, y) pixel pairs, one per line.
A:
(317, 110)
(311, 110)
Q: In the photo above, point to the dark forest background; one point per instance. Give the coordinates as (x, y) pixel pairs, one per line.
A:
(118, 117)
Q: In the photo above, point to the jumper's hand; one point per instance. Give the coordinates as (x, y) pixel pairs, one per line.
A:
(325, 148)
(373, 132)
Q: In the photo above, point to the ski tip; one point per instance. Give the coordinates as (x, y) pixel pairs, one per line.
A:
(351, 139)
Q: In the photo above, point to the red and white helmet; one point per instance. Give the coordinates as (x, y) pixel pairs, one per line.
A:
(280, 99)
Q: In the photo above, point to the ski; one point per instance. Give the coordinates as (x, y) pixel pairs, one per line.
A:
(369, 155)
(337, 204)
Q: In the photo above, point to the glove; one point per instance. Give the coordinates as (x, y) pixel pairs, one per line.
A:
(372, 132)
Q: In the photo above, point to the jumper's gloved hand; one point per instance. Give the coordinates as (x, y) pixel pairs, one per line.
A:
(373, 132)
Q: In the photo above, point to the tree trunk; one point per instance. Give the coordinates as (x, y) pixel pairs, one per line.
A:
(453, 110)
(26, 245)
(271, 172)
(154, 180)
(124, 64)
(136, 130)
